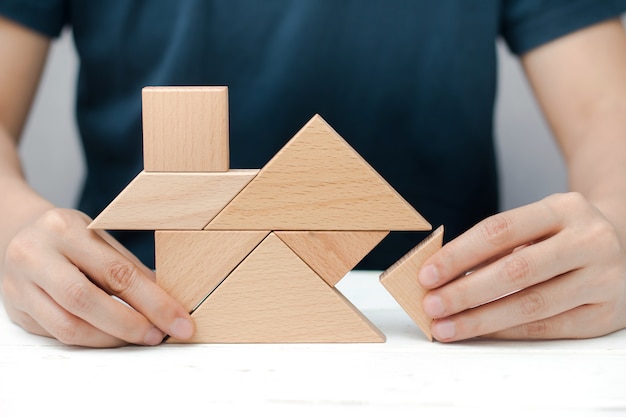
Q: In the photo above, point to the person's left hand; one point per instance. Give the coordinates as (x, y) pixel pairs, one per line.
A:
(552, 269)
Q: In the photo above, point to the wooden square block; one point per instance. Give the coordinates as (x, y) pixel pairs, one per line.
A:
(185, 129)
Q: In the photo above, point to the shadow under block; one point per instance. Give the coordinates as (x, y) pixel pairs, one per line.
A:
(185, 129)
(274, 297)
(191, 264)
(331, 254)
(318, 182)
(401, 280)
(178, 201)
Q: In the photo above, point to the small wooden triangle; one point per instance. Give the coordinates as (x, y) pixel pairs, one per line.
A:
(401, 280)
(178, 201)
(274, 297)
(191, 264)
(331, 254)
(318, 182)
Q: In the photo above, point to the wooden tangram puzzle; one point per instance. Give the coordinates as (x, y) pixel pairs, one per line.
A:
(253, 254)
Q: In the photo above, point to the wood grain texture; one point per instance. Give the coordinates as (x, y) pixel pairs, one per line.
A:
(401, 280)
(191, 264)
(178, 201)
(318, 182)
(274, 297)
(185, 129)
(331, 254)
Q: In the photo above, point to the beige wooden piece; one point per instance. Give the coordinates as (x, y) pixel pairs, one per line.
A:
(185, 129)
(318, 182)
(331, 254)
(191, 264)
(274, 297)
(179, 201)
(401, 280)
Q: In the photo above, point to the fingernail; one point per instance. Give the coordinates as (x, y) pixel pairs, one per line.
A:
(444, 329)
(153, 337)
(181, 329)
(428, 276)
(433, 306)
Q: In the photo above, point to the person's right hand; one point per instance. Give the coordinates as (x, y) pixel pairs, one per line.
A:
(59, 278)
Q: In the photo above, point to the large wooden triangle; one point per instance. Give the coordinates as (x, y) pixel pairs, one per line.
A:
(318, 182)
(331, 254)
(274, 297)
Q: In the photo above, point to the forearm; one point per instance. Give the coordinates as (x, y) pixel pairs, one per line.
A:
(20, 204)
(580, 82)
(597, 167)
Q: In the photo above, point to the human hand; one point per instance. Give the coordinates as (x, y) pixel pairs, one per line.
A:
(58, 280)
(552, 269)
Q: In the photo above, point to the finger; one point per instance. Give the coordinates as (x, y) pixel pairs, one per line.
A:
(84, 300)
(126, 253)
(25, 321)
(529, 305)
(118, 275)
(522, 268)
(66, 327)
(580, 322)
(496, 235)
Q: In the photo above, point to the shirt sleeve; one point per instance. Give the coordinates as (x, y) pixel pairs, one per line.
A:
(526, 24)
(47, 17)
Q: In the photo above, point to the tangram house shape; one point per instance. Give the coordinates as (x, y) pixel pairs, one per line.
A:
(255, 255)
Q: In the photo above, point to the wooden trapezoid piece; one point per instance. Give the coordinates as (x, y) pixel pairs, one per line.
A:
(176, 201)
(401, 280)
(318, 182)
(191, 264)
(185, 129)
(274, 297)
(331, 254)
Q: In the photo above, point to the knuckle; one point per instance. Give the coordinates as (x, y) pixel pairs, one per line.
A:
(603, 236)
(532, 304)
(516, 270)
(20, 250)
(120, 276)
(66, 330)
(498, 229)
(78, 297)
(569, 199)
(9, 292)
(58, 221)
(536, 330)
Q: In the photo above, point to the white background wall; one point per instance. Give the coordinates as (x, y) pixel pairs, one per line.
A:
(530, 164)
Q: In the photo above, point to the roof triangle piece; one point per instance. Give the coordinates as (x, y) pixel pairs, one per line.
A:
(191, 264)
(274, 297)
(401, 280)
(174, 201)
(318, 182)
(331, 254)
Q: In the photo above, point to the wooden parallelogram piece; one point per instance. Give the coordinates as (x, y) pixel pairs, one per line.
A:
(191, 264)
(317, 181)
(185, 129)
(332, 254)
(175, 201)
(274, 297)
(401, 280)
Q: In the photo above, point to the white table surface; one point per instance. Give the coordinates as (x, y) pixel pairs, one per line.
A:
(407, 375)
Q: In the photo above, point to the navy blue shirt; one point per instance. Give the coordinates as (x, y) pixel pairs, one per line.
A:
(410, 84)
